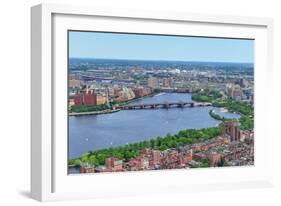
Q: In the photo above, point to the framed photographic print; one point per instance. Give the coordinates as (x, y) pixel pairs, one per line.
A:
(136, 102)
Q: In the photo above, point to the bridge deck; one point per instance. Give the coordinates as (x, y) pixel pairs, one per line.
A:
(164, 105)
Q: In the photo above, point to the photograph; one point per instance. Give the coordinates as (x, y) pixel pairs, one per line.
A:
(143, 102)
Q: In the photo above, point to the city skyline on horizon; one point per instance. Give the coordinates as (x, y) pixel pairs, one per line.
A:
(121, 46)
(160, 60)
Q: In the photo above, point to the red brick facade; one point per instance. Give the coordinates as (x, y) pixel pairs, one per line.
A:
(87, 99)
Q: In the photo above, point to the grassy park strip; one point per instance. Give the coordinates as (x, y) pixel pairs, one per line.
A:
(128, 151)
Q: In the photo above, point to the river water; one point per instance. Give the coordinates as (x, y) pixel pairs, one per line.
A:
(92, 132)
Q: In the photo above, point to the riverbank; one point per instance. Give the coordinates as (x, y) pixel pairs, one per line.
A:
(246, 111)
(140, 98)
(94, 112)
(126, 127)
(133, 150)
(215, 116)
(108, 111)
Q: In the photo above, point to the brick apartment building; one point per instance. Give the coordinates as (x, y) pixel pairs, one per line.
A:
(232, 130)
(87, 99)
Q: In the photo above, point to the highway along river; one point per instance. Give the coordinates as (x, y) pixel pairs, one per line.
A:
(92, 132)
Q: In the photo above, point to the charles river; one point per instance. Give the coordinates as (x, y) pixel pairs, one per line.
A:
(92, 132)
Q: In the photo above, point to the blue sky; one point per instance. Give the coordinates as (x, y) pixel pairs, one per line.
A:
(153, 47)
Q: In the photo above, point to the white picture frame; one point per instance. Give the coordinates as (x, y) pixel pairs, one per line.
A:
(49, 179)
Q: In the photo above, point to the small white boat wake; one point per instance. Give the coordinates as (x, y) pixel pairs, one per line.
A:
(159, 94)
